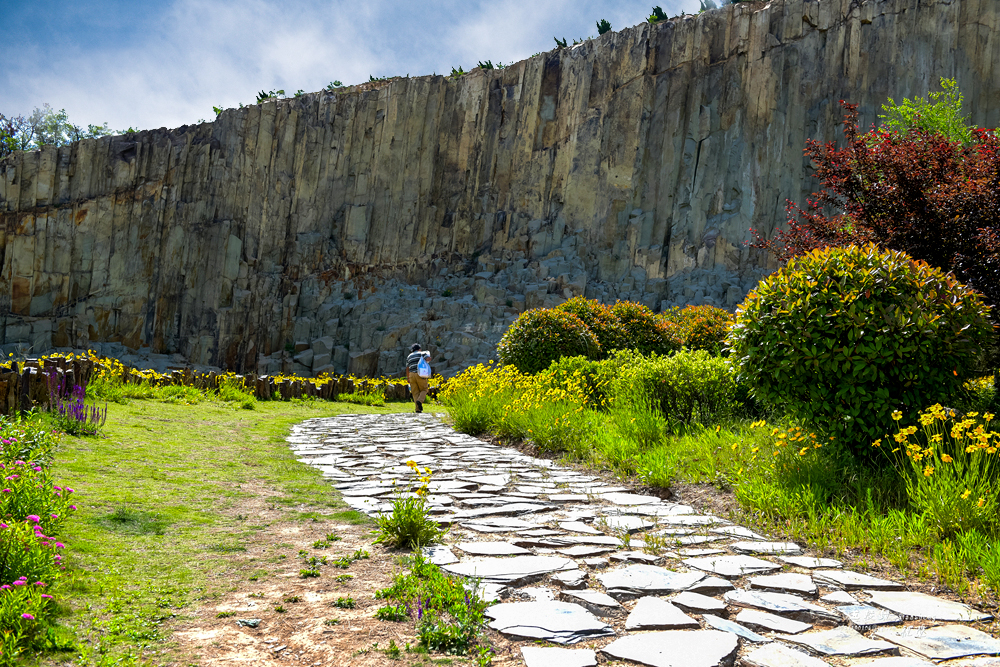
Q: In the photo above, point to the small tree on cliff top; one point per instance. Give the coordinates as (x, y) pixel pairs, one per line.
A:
(923, 183)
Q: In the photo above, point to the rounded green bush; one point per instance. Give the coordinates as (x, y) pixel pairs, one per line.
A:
(700, 327)
(644, 331)
(539, 337)
(842, 337)
(603, 323)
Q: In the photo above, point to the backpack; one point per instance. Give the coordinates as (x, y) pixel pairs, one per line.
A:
(423, 368)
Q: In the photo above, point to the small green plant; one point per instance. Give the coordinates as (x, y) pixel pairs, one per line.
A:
(344, 603)
(410, 524)
(280, 609)
(225, 614)
(446, 293)
(391, 612)
(603, 26)
(560, 43)
(343, 562)
(299, 92)
(293, 599)
(455, 73)
(360, 554)
(341, 578)
(331, 622)
(333, 537)
(217, 110)
(374, 397)
(333, 85)
(657, 15)
(485, 65)
(393, 651)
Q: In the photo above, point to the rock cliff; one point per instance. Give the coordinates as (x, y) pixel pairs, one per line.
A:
(329, 231)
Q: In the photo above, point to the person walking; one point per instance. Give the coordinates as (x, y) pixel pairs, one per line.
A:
(418, 384)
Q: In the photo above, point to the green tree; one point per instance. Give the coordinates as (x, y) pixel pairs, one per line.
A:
(52, 128)
(603, 26)
(941, 114)
(16, 134)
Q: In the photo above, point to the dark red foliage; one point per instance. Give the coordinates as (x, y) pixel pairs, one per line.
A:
(936, 199)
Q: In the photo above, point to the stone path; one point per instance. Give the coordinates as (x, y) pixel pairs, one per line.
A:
(562, 555)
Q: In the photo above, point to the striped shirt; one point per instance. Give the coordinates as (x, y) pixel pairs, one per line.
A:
(414, 359)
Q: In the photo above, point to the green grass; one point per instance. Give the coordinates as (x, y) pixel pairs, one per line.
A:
(163, 495)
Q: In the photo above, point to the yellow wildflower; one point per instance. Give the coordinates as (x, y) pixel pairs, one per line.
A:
(897, 415)
(946, 458)
(982, 501)
(966, 494)
(928, 471)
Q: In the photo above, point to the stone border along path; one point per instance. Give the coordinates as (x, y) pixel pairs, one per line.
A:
(546, 543)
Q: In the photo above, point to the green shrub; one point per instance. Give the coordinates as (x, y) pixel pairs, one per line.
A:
(539, 337)
(644, 331)
(700, 327)
(590, 375)
(842, 337)
(688, 387)
(603, 323)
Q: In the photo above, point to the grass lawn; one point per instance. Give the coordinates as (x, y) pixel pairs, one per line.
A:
(180, 506)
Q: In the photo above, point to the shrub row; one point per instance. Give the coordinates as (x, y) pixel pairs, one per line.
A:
(584, 327)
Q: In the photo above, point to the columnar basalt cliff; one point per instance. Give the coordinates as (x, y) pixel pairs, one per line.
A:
(338, 227)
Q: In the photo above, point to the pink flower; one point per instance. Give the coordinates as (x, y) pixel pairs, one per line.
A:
(72, 507)
(40, 583)
(34, 518)
(47, 597)
(7, 491)
(28, 616)
(20, 583)
(60, 545)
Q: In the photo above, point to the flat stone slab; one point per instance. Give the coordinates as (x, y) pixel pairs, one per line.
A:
(676, 648)
(731, 567)
(651, 613)
(567, 497)
(779, 655)
(579, 527)
(509, 509)
(943, 642)
(762, 620)
(439, 555)
(724, 624)
(780, 603)
(738, 531)
(855, 581)
(920, 605)
(585, 551)
(570, 578)
(636, 580)
(629, 523)
(557, 622)
(840, 597)
(867, 616)
(509, 571)
(841, 641)
(499, 525)
(788, 582)
(711, 586)
(635, 557)
(629, 499)
(771, 548)
(592, 598)
(809, 562)
(696, 603)
(537, 656)
(491, 549)
(906, 662)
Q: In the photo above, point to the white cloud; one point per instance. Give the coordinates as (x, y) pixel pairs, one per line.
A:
(205, 53)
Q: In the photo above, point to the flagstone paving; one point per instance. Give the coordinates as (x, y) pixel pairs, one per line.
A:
(562, 557)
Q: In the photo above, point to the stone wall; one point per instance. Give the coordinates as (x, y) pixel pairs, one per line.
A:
(329, 231)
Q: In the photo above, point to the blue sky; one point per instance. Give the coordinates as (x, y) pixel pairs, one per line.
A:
(166, 64)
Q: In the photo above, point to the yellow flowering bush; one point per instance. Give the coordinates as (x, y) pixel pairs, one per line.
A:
(949, 465)
(548, 409)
